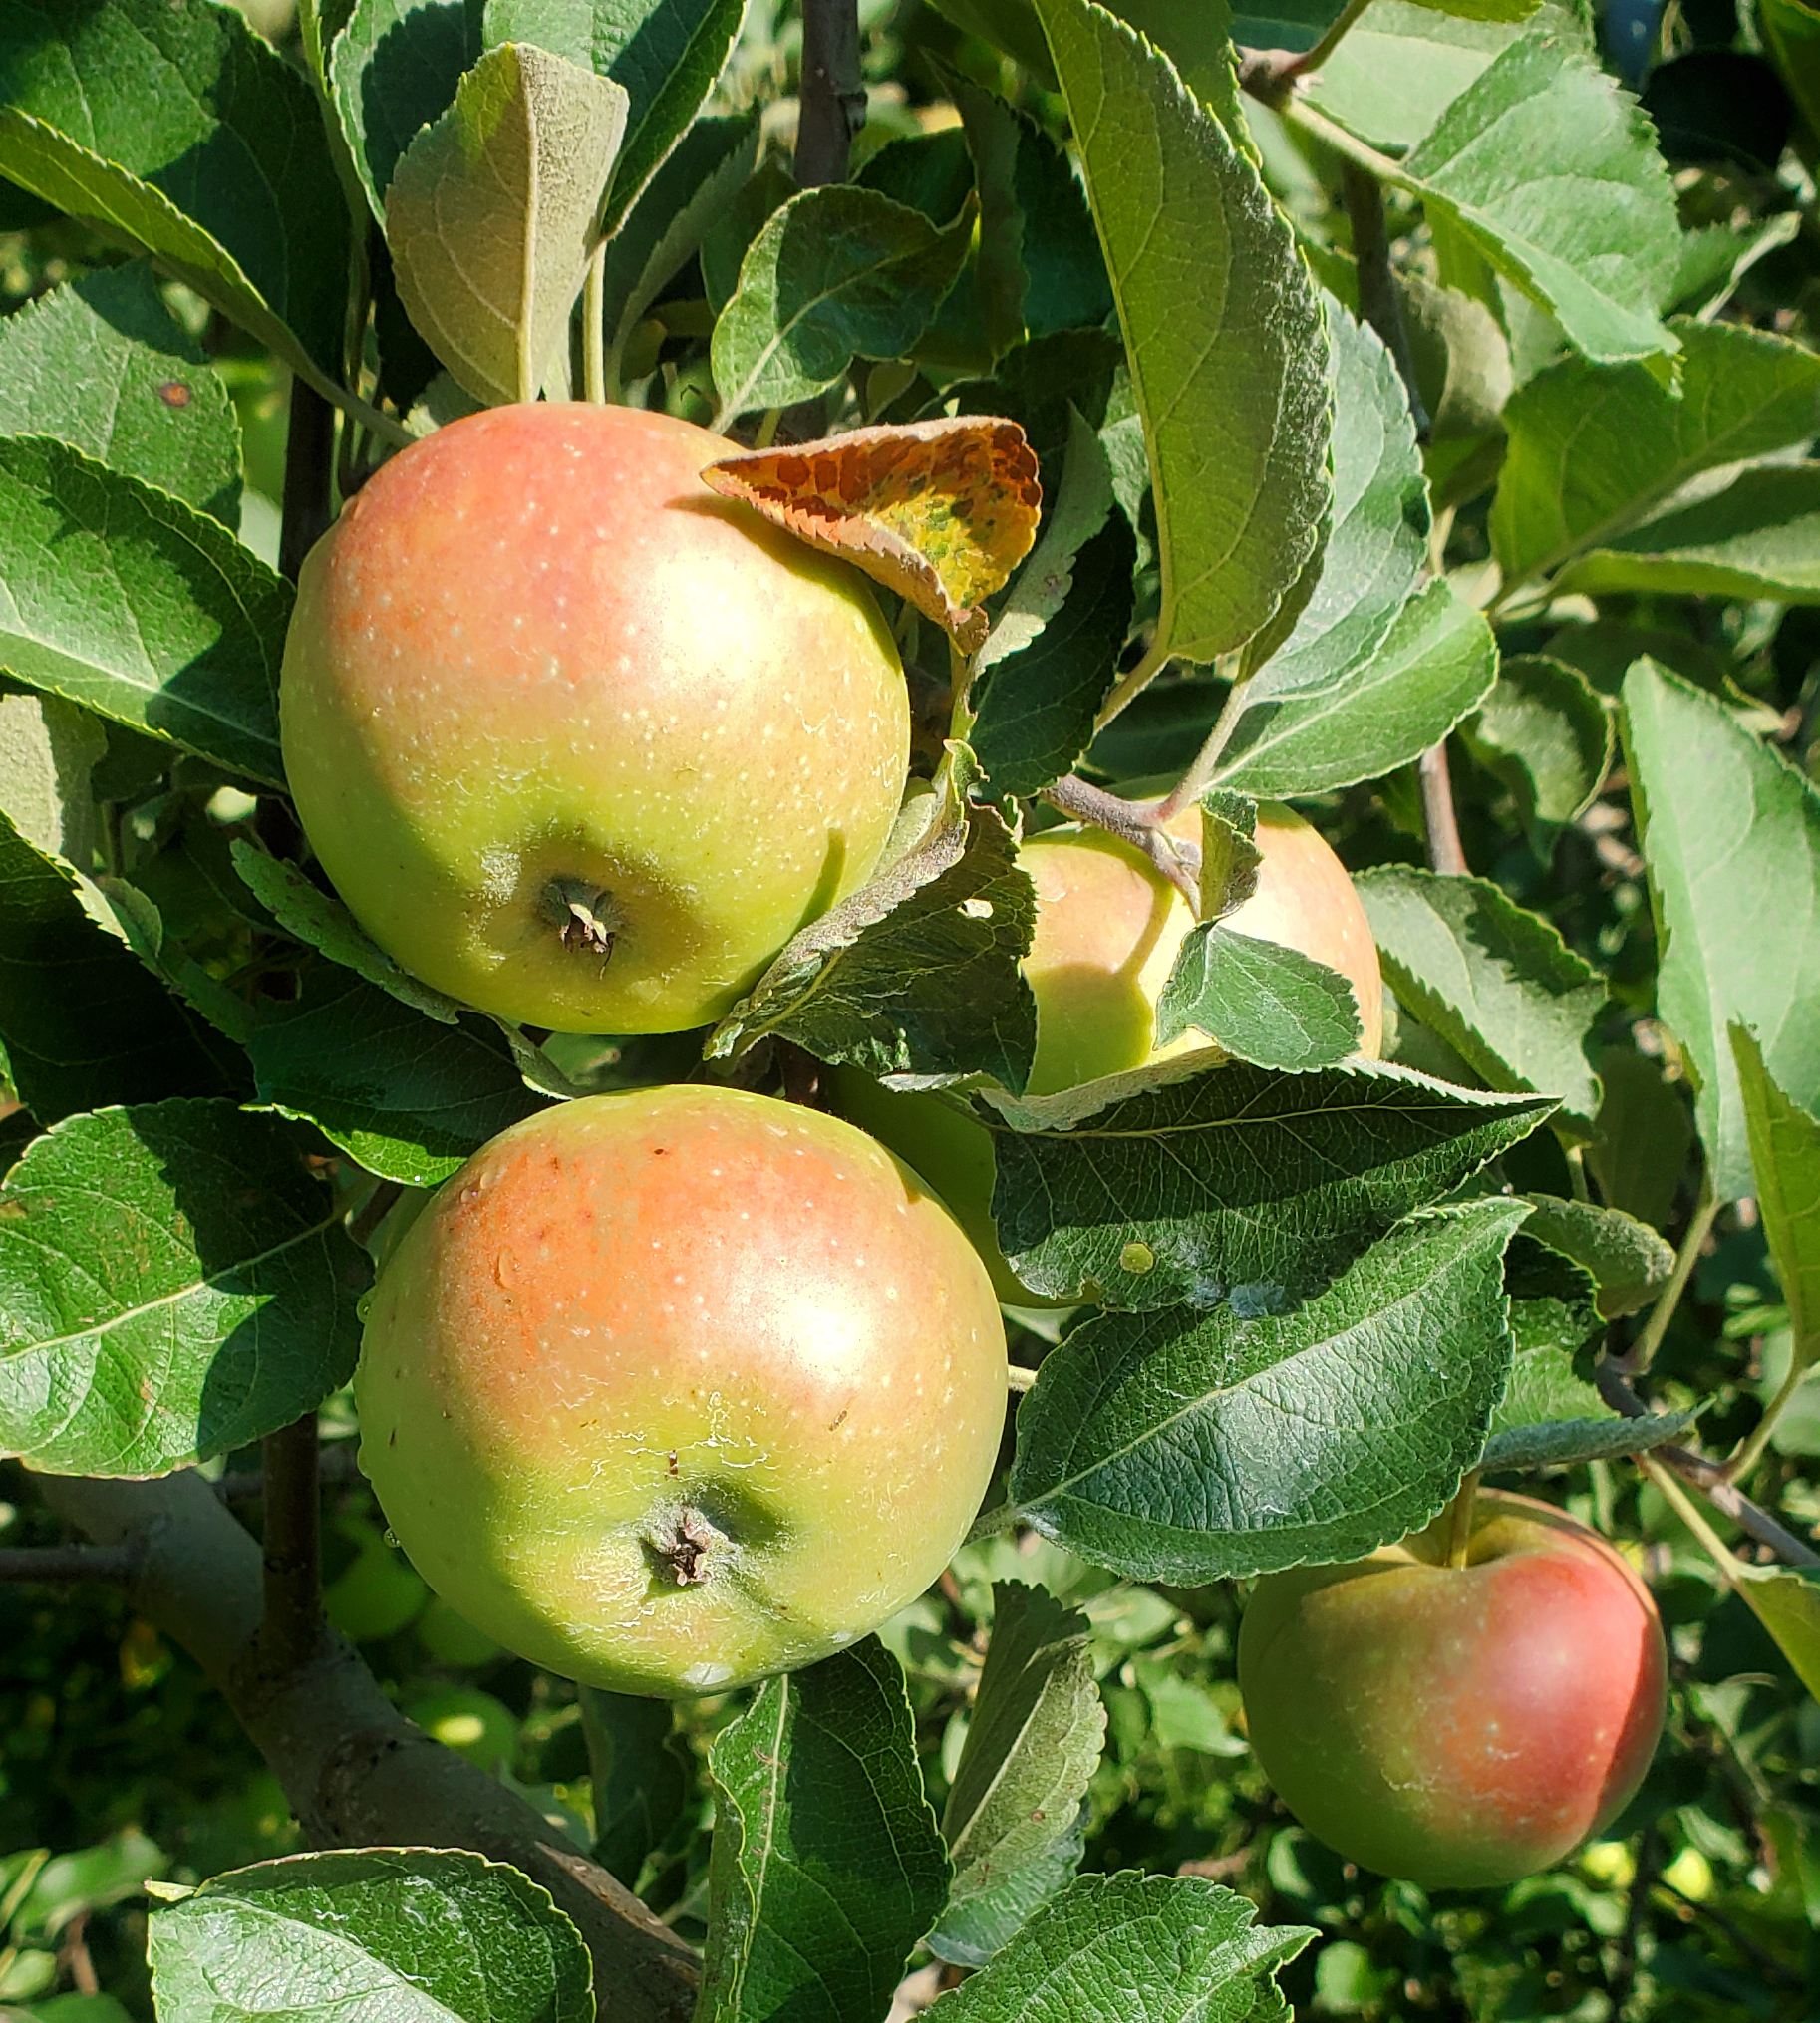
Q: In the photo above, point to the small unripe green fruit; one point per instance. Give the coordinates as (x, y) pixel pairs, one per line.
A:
(1457, 1726)
(1108, 932)
(670, 1389)
(578, 740)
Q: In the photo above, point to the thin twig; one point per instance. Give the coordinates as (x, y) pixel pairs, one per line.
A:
(1641, 1352)
(1379, 302)
(57, 1564)
(1707, 1476)
(308, 460)
(1445, 851)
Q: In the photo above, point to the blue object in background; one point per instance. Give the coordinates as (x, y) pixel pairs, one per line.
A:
(1629, 30)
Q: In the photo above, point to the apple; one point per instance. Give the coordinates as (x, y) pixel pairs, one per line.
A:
(673, 1388)
(1108, 927)
(578, 740)
(1459, 1726)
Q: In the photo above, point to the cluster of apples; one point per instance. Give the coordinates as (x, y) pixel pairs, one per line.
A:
(671, 1389)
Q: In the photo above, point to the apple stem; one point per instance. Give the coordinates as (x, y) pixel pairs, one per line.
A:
(1199, 776)
(1459, 1519)
(1018, 1378)
(1136, 824)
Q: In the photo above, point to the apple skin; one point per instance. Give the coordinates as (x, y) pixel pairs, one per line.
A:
(538, 656)
(1457, 1726)
(1108, 930)
(673, 1388)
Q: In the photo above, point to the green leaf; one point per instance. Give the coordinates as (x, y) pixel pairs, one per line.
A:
(1040, 266)
(48, 751)
(1792, 34)
(412, 1935)
(1546, 735)
(1497, 983)
(1759, 537)
(1436, 662)
(1262, 1003)
(859, 983)
(826, 1865)
(82, 1022)
(1785, 1157)
(1399, 66)
(1731, 835)
(1571, 1443)
(1645, 1135)
(976, 1928)
(1461, 358)
(708, 167)
(492, 214)
(835, 274)
(1073, 512)
(102, 365)
(1787, 1603)
(664, 55)
(1228, 372)
(1131, 1948)
(408, 1100)
(320, 918)
(1594, 449)
(1628, 1263)
(124, 600)
(395, 68)
(1554, 176)
(174, 1283)
(1052, 657)
(1184, 1446)
(1184, 1185)
(169, 124)
(1033, 1741)
(644, 1775)
(1378, 542)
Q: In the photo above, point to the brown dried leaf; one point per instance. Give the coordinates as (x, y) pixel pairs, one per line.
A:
(940, 512)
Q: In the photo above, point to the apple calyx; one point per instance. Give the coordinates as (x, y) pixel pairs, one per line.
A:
(587, 917)
(688, 1547)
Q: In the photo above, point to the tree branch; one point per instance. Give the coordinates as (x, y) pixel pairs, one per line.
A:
(309, 455)
(1709, 1477)
(832, 104)
(292, 1629)
(1379, 302)
(356, 1772)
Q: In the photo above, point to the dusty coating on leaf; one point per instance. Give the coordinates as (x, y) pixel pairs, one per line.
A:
(940, 512)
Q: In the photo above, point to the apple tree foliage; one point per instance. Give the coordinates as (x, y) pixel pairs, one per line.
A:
(1426, 434)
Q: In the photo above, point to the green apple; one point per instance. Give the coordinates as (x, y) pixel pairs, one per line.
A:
(578, 740)
(1108, 927)
(1457, 1725)
(673, 1388)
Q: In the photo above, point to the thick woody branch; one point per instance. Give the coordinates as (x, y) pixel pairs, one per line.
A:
(356, 1772)
(834, 96)
(293, 1629)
